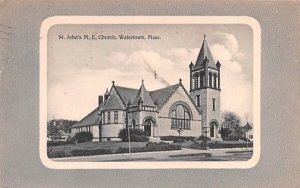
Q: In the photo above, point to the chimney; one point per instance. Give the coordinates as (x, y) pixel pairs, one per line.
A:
(100, 100)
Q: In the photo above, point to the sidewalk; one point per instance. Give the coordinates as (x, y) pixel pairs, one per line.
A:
(189, 154)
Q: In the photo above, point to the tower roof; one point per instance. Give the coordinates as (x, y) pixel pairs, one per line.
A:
(205, 52)
(144, 96)
(112, 103)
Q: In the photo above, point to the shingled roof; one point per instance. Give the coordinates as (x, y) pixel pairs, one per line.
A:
(205, 52)
(143, 95)
(112, 103)
(90, 119)
(162, 95)
(126, 93)
(159, 96)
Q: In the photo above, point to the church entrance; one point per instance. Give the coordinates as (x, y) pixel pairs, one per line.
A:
(133, 124)
(148, 124)
(213, 129)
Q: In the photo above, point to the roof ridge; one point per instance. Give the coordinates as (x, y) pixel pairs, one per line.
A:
(165, 87)
(126, 87)
(113, 100)
(117, 93)
(168, 98)
(88, 114)
(177, 86)
(84, 118)
(143, 94)
(124, 93)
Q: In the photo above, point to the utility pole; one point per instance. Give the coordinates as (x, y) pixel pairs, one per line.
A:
(127, 126)
(247, 131)
(247, 134)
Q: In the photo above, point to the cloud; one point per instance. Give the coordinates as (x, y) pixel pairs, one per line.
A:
(182, 57)
(76, 93)
(227, 40)
(236, 94)
(221, 52)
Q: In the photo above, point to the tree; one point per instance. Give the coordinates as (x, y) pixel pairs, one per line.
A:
(230, 126)
(52, 130)
(136, 135)
(83, 137)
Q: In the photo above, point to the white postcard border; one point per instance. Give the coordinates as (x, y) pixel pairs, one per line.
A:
(85, 20)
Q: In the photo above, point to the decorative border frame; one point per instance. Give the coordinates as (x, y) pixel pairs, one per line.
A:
(51, 21)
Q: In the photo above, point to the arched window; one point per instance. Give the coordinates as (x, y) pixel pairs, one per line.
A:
(212, 130)
(201, 79)
(210, 79)
(196, 78)
(215, 81)
(180, 117)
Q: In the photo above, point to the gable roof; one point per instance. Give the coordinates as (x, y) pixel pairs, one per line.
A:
(126, 94)
(91, 119)
(159, 96)
(162, 95)
(143, 95)
(112, 103)
(205, 52)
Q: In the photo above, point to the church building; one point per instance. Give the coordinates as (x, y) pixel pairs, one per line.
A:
(161, 112)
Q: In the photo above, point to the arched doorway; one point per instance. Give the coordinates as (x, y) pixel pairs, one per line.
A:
(213, 129)
(149, 123)
(133, 124)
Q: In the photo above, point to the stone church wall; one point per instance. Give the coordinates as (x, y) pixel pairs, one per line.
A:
(165, 121)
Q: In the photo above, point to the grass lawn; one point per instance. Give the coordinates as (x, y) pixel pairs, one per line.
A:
(217, 144)
(96, 145)
(102, 148)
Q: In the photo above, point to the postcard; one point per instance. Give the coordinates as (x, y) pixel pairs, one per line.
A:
(150, 92)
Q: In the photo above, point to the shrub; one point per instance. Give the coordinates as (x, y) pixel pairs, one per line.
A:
(136, 135)
(150, 147)
(203, 144)
(83, 137)
(230, 145)
(221, 144)
(90, 152)
(58, 143)
(136, 138)
(200, 145)
(176, 139)
(203, 138)
(59, 154)
(56, 154)
(230, 134)
(162, 146)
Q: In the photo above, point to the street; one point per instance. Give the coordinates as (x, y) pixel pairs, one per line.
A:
(234, 154)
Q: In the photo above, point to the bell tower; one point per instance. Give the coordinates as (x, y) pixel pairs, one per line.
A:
(205, 91)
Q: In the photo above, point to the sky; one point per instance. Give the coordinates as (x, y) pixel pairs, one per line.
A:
(79, 70)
